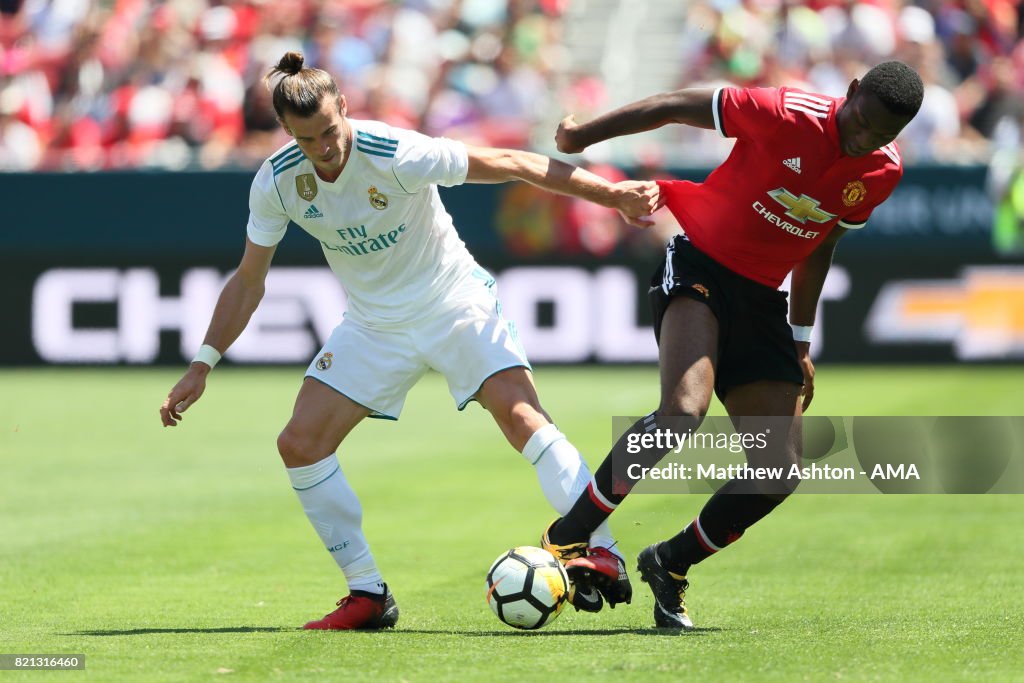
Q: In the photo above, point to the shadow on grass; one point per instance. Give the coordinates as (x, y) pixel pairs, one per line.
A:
(400, 631)
(586, 632)
(154, 631)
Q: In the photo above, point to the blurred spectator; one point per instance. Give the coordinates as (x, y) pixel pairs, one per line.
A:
(935, 132)
(121, 83)
(1000, 113)
(20, 148)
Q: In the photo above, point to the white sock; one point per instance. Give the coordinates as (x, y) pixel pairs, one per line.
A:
(334, 511)
(563, 476)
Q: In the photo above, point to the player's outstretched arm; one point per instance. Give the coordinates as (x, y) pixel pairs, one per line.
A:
(633, 199)
(808, 279)
(237, 302)
(691, 106)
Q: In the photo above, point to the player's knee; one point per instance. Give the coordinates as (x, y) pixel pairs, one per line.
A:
(784, 453)
(691, 411)
(298, 449)
(792, 454)
(788, 457)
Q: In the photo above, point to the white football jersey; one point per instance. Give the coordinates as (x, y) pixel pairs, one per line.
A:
(380, 224)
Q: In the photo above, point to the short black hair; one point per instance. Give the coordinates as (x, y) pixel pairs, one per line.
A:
(897, 86)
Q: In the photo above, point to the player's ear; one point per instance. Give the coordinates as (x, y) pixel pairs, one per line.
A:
(285, 126)
(854, 84)
(342, 105)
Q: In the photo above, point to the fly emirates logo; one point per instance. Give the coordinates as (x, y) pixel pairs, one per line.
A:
(358, 244)
(802, 209)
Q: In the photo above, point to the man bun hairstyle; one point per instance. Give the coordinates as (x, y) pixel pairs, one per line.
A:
(897, 86)
(298, 90)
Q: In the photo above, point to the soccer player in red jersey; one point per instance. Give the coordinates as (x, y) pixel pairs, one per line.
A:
(805, 169)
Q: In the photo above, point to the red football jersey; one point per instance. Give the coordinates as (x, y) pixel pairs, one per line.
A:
(783, 187)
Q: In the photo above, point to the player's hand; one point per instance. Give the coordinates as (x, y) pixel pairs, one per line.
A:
(636, 200)
(186, 392)
(641, 222)
(803, 355)
(564, 136)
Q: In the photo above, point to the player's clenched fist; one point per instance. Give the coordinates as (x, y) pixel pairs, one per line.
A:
(564, 136)
(186, 392)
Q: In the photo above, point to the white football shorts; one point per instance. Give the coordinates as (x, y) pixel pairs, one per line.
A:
(467, 342)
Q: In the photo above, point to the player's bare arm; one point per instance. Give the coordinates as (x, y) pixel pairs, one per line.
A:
(633, 199)
(690, 106)
(238, 300)
(808, 279)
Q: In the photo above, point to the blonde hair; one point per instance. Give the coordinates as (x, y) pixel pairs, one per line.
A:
(299, 90)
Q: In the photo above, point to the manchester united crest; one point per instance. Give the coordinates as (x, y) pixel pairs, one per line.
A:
(854, 193)
(324, 362)
(305, 185)
(377, 200)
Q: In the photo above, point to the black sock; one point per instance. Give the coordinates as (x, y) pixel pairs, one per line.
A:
(731, 511)
(611, 485)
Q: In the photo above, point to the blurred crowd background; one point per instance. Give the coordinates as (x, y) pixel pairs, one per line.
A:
(138, 84)
(101, 84)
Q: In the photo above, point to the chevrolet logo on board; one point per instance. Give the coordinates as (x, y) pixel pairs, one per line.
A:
(981, 312)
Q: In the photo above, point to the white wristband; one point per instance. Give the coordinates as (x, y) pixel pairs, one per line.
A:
(207, 354)
(802, 333)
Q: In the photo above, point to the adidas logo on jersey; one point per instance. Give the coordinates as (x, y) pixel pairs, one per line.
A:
(792, 164)
(312, 212)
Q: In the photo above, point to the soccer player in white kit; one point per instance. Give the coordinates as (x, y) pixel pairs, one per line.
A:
(416, 300)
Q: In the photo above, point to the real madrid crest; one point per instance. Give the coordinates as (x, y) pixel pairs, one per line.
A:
(854, 193)
(324, 361)
(377, 200)
(305, 185)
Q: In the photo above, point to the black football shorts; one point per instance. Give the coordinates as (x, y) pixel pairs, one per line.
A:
(755, 341)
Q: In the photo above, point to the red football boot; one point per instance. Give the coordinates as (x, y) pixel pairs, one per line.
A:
(604, 570)
(360, 610)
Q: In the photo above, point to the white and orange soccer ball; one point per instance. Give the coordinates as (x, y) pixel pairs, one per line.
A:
(527, 587)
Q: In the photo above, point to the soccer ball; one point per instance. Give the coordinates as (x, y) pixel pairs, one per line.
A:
(527, 587)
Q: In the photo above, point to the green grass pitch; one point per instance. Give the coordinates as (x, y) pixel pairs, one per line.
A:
(182, 554)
